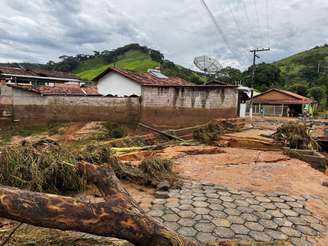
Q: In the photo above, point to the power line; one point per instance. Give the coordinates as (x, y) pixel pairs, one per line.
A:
(241, 34)
(267, 3)
(237, 23)
(256, 13)
(252, 37)
(219, 29)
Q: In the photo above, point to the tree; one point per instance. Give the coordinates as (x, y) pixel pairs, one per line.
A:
(299, 88)
(156, 55)
(317, 93)
(117, 216)
(267, 75)
(230, 75)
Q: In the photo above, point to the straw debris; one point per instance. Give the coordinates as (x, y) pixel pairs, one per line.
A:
(46, 166)
(296, 135)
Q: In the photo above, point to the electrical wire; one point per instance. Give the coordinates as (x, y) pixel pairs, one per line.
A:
(267, 5)
(218, 27)
(238, 25)
(257, 21)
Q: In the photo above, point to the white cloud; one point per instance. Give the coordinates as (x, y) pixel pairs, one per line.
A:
(40, 30)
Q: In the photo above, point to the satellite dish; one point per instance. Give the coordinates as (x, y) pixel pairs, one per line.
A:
(207, 64)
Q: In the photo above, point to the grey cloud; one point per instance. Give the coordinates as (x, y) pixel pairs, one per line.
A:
(40, 30)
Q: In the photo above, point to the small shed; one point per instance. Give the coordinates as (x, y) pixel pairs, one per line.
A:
(276, 102)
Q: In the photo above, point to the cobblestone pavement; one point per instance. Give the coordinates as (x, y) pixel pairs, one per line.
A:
(208, 212)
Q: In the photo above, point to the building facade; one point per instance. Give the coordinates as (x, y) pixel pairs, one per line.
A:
(276, 102)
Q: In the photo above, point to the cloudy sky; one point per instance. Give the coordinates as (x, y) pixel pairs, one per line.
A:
(40, 30)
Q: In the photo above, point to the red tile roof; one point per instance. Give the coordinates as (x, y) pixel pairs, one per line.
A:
(59, 89)
(294, 98)
(146, 78)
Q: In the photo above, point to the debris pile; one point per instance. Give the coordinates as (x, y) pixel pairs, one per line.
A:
(42, 167)
(46, 166)
(210, 132)
(295, 135)
(151, 172)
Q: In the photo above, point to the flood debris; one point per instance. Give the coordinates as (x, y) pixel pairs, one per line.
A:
(150, 172)
(325, 183)
(209, 133)
(168, 135)
(42, 167)
(46, 166)
(118, 216)
(296, 135)
(314, 158)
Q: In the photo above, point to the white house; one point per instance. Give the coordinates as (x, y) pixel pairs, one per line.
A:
(117, 82)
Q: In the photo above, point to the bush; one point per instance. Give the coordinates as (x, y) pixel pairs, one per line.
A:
(113, 130)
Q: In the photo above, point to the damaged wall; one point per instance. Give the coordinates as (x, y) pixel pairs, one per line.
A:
(186, 106)
(172, 107)
(33, 108)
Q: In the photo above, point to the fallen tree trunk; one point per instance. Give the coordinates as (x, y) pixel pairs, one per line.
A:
(118, 216)
(161, 132)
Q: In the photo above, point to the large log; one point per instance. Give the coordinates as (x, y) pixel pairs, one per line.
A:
(118, 216)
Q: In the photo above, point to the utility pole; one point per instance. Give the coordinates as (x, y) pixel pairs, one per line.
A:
(254, 74)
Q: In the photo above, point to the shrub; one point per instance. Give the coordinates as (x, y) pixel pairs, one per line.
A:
(113, 130)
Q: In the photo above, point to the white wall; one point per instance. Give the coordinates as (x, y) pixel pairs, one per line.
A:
(242, 111)
(117, 85)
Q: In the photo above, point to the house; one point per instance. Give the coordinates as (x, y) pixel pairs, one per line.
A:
(35, 76)
(119, 96)
(165, 100)
(117, 82)
(276, 102)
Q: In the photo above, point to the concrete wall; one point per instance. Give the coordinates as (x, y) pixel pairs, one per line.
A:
(186, 106)
(29, 107)
(172, 107)
(117, 85)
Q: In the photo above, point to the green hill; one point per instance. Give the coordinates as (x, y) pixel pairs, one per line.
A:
(306, 73)
(130, 57)
(134, 60)
(309, 67)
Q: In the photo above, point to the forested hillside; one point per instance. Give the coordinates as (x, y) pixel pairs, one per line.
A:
(132, 57)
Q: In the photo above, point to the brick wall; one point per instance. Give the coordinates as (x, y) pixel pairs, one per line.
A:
(33, 108)
(186, 106)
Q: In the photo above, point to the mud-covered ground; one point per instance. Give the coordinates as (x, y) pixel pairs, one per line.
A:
(246, 160)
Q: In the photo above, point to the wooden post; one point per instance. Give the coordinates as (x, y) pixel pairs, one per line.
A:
(282, 110)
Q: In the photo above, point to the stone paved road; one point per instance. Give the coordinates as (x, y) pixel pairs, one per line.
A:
(208, 212)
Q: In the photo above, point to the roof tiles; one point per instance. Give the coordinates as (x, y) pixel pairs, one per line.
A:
(147, 79)
(60, 89)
